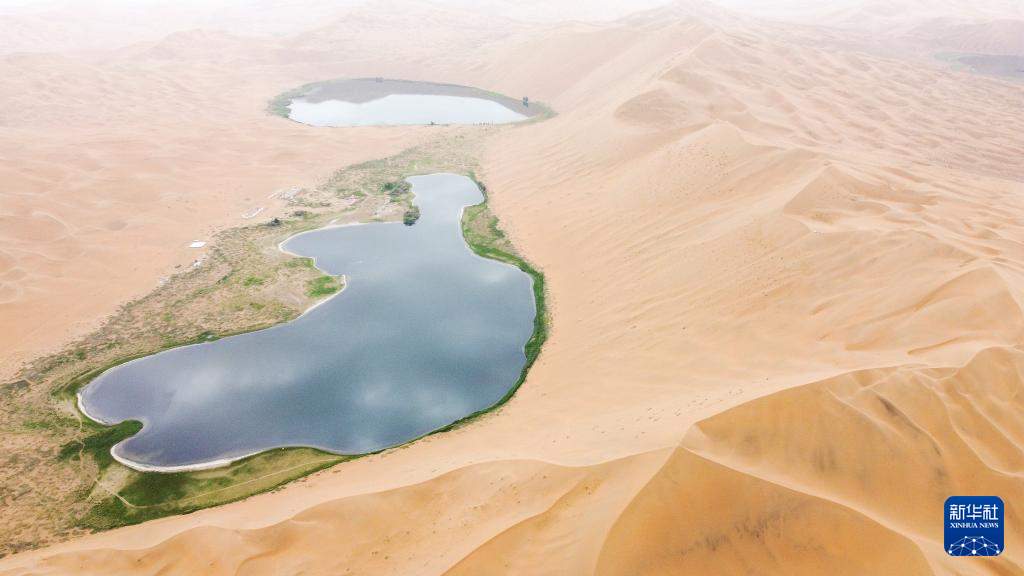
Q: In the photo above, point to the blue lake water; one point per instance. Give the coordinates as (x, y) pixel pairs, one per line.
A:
(402, 109)
(425, 333)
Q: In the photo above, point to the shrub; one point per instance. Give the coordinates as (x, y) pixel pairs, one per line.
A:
(411, 216)
(396, 189)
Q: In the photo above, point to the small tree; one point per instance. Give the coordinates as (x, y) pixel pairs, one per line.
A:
(411, 216)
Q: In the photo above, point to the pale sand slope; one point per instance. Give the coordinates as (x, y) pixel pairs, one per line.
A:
(786, 290)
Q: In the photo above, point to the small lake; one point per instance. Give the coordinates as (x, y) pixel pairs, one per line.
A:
(391, 102)
(403, 109)
(424, 333)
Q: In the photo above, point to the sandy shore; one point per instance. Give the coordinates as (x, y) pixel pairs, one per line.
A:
(785, 281)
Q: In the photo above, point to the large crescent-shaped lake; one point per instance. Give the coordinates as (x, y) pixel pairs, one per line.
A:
(425, 333)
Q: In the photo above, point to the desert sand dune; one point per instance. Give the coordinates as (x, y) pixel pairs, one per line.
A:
(786, 287)
(987, 37)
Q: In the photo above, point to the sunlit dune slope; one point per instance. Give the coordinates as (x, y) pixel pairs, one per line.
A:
(840, 476)
(786, 289)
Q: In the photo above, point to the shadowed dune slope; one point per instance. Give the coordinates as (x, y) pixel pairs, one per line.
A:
(802, 481)
(786, 288)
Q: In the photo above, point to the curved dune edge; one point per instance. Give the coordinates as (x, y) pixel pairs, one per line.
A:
(747, 492)
(775, 486)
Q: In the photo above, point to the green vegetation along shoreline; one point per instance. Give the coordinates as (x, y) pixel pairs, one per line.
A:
(242, 286)
(153, 495)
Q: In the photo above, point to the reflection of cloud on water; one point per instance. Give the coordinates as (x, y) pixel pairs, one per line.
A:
(496, 274)
(451, 409)
(378, 394)
(422, 337)
(422, 404)
(438, 404)
(202, 384)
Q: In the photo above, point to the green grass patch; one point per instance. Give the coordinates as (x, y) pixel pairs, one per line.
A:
(322, 286)
(301, 262)
(484, 236)
(190, 487)
(278, 105)
(411, 216)
(154, 495)
(396, 189)
(99, 441)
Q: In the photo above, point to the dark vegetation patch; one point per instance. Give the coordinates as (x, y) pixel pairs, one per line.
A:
(278, 105)
(99, 441)
(155, 495)
(322, 286)
(482, 232)
(411, 216)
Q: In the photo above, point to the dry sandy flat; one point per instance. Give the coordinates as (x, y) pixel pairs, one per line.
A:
(786, 286)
